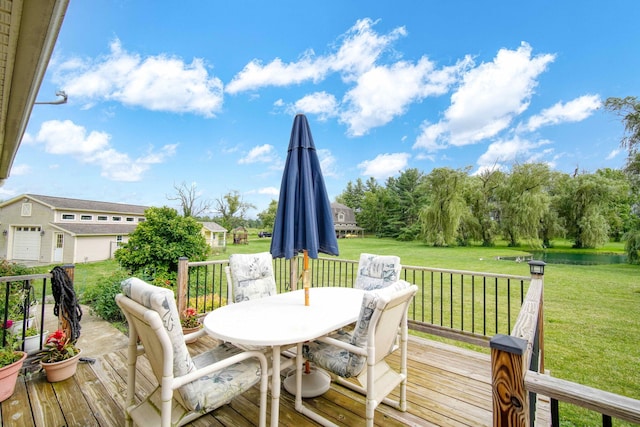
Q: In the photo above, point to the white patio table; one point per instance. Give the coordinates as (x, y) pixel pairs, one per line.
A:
(282, 320)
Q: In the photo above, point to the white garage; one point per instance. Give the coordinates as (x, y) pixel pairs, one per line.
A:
(26, 243)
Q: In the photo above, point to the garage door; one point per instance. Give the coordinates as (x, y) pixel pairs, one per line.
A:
(26, 243)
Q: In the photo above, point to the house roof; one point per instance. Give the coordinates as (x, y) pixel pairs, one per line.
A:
(61, 203)
(95, 229)
(28, 33)
(214, 227)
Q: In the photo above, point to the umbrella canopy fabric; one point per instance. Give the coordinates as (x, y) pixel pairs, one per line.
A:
(304, 220)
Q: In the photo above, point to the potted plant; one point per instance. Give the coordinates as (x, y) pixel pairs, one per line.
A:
(190, 322)
(11, 361)
(33, 339)
(59, 357)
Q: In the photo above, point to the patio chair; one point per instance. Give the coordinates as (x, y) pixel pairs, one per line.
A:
(250, 276)
(377, 271)
(360, 355)
(187, 387)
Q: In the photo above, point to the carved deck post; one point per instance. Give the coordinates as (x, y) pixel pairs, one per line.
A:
(508, 366)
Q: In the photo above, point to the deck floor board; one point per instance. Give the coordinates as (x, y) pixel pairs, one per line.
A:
(448, 386)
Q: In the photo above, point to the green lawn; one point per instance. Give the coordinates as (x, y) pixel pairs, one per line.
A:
(592, 313)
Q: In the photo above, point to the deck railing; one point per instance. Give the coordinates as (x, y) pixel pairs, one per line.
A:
(23, 302)
(25, 297)
(518, 375)
(464, 305)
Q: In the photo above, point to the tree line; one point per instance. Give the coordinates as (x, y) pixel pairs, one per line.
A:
(530, 203)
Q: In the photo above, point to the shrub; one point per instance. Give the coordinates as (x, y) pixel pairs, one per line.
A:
(206, 303)
(101, 297)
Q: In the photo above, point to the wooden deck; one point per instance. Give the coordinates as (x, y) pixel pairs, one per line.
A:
(448, 386)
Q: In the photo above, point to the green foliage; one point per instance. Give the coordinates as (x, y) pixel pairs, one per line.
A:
(19, 297)
(268, 216)
(632, 246)
(156, 244)
(232, 210)
(101, 297)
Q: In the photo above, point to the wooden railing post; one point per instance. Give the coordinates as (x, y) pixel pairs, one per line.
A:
(70, 269)
(508, 367)
(183, 283)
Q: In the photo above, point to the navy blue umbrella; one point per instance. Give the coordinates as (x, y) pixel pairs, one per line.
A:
(304, 221)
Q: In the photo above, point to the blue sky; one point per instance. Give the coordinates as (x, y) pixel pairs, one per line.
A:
(204, 93)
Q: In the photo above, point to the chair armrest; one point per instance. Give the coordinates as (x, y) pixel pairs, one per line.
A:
(341, 344)
(193, 335)
(209, 369)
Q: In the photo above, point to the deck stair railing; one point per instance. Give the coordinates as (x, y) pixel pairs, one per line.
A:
(519, 378)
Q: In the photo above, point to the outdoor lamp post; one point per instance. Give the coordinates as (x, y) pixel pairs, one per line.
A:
(536, 268)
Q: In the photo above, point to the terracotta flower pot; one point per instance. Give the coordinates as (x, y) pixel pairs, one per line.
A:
(8, 378)
(186, 331)
(59, 371)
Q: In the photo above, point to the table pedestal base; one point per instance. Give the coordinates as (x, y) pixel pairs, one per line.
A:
(315, 383)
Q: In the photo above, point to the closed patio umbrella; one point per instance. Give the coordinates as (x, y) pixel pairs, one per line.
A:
(304, 223)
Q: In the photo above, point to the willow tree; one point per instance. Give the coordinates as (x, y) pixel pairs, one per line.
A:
(524, 202)
(442, 216)
(483, 203)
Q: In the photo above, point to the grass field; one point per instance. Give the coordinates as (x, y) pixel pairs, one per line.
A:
(592, 312)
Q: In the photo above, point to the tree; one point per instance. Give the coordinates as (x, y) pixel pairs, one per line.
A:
(586, 205)
(353, 195)
(406, 201)
(190, 200)
(268, 216)
(483, 204)
(232, 210)
(524, 202)
(156, 244)
(629, 109)
(441, 218)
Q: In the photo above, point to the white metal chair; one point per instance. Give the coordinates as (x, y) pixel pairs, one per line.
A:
(377, 271)
(188, 387)
(250, 276)
(361, 354)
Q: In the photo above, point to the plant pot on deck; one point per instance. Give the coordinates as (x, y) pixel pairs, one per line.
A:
(60, 371)
(8, 378)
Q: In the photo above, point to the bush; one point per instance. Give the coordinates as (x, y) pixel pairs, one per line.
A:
(102, 297)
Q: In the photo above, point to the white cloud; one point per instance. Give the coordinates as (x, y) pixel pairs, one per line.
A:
(384, 165)
(322, 104)
(21, 169)
(360, 48)
(378, 93)
(327, 163)
(67, 138)
(503, 153)
(573, 111)
(259, 154)
(613, 154)
(488, 98)
(159, 83)
(384, 92)
(269, 191)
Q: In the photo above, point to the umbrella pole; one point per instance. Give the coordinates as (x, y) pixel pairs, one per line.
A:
(305, 277)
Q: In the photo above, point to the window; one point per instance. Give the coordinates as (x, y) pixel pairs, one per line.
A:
(26, 209)
(140, 219)
(116, 218)
(86, 217)
(102, 218)
(129, 219)
(118, 241)
(68, 217)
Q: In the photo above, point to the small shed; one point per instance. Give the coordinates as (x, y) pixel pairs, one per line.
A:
(240, 236)
(214, 234)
